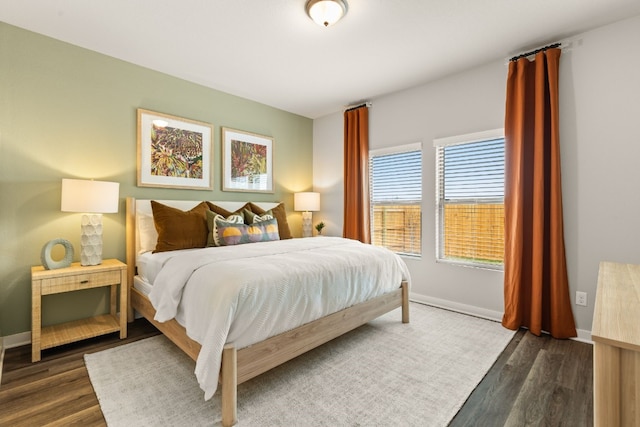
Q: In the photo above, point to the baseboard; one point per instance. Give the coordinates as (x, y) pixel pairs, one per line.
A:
(583, 335)
(459, 307)
(16, 340)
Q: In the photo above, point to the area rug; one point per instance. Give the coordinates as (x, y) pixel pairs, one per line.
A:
(382, 374)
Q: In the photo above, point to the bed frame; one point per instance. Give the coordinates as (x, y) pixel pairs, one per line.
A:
(240, 365)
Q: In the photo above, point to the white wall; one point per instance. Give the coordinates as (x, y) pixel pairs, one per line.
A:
(328, 171)
(599, 111)
(600, 139)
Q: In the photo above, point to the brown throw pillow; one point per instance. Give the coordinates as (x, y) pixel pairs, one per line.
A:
(280, 214)
(178, 229)
(225, 213)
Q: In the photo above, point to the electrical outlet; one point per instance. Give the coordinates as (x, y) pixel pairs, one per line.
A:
(581, 298)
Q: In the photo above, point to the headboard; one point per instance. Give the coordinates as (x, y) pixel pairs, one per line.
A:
(139, 214)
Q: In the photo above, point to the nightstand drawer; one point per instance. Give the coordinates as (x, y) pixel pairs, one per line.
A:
(80, 281)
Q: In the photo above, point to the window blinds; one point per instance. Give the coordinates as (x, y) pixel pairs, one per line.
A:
(396, 197)
(470, 202)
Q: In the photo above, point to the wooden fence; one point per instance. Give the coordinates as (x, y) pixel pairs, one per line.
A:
(474, 232)
(397, 227)
(471, 232)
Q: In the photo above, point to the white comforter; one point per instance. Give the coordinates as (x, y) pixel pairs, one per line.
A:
(244, 294)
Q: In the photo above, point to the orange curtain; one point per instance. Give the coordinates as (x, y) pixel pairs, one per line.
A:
(536, 287)
(356, 174)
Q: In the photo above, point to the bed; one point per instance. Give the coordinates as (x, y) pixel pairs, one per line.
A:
(259, 322)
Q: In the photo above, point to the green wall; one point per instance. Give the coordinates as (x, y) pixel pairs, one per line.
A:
(67, 112)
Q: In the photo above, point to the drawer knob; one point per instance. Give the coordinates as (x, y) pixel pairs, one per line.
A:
(84, 281)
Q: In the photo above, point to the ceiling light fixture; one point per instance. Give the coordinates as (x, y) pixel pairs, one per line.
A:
(326, 12)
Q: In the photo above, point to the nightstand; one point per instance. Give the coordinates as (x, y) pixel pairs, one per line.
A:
(111, 272)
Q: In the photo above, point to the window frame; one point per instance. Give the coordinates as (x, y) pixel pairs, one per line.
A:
(399, 149)
(441, 144)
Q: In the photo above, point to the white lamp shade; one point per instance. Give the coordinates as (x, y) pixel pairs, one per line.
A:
(306, 201)
(326, 12)
(79, 195)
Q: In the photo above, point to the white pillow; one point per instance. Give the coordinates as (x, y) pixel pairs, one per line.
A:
(147, 234)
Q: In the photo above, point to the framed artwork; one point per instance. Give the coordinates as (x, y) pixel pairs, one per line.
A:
(174, 152)
(247, 161)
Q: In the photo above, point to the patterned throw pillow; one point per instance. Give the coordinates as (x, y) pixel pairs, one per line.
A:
(237, 234)
(213, 221)
(280, 214)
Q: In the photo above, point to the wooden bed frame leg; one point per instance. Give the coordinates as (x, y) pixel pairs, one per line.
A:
(405, 302)
(229, 391)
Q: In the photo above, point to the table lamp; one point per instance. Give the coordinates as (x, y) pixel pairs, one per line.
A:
(93, 198)
(306, 202)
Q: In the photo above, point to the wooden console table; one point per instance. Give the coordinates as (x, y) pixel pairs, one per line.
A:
(616, 350)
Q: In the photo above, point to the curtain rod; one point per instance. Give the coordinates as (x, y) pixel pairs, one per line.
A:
(364, 104)
(533, 52)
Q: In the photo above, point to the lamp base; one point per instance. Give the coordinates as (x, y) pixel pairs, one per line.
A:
(306, 224)
(91, 240)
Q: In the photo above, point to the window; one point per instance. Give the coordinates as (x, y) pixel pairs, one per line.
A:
(470, 199)
(395, 179)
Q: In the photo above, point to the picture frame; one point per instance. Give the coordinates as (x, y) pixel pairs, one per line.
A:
(174, 152)
(247, 161)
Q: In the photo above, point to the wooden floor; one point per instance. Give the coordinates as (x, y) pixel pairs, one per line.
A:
(536, 381)
(56, 391)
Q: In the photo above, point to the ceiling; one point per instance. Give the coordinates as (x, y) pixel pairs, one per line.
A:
(269, 51)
